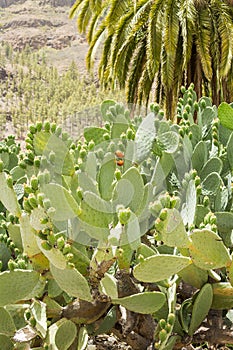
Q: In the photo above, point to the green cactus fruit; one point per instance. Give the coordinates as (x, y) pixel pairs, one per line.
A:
(60, 243)
(124, 256)
(124, 215)
(46, 245)
(162, 323)
(171, 318)
(163, 335)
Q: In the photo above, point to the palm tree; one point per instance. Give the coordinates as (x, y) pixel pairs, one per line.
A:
(152, 47)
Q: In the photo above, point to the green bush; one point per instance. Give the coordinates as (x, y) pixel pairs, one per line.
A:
(128, 230)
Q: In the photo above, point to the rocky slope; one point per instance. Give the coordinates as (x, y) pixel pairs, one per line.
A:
(55, 3)
(43, 24)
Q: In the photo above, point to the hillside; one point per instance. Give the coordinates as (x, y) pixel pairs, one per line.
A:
(43, 23)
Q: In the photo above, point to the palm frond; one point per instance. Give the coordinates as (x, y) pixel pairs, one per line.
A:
(154, 38)
(136, 69)
(96, 40)
(74, 8)
(225, 29)
(170, 39)
(187, 17)
(83, 12)
(203, 40)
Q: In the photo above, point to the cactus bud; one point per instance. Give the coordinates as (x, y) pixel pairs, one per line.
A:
(9, 181)
(21, 264)
(26, 205)
(66, 249)
(206, 201)
(185, 115)
(182, 89)
(129, 134)
(12, 265)
(199, 190)
(188, 108)
(163, 214)
(51, 238)
(40, 198)
(39, 126)
(181, 132)
(107, 126)
(60, 243)
(171, 318)
(124, 215)
(34, 183)
(162, 335)
(37, 162)
(79, 192)
(1, 165)
(168, 328)
(1, 265)
(47, 126)
(203, 104)
(91, 145)
(106, 136)
(53, 127)
(197, 181)
(162, 323)
(118, 174)
(83, 153)
(32, 201)
(32, 129)
(190, 101)
(69, 256)
(27, 314)
(46, 245)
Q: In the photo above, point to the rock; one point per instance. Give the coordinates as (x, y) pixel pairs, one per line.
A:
(6, 3)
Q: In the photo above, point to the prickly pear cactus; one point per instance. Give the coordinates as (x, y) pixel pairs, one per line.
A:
(130, 225)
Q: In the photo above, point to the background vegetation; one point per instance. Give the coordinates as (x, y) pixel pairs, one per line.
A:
(34, 90)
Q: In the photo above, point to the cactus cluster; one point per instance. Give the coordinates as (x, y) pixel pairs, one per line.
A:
(140, 197)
